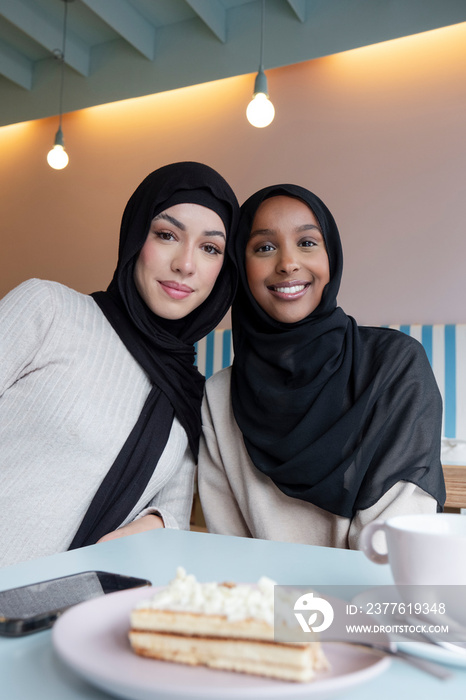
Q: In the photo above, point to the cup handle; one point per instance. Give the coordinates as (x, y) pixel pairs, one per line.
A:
(366, 542)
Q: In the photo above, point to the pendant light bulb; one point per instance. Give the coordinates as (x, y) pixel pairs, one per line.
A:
(57, 157)
(260, 111)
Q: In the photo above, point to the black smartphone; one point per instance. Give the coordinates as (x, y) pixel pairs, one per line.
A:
(33, 608)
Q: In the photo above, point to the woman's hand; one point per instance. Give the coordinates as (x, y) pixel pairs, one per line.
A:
(147, 522)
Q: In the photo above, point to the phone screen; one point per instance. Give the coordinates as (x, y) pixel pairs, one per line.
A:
(35, 607)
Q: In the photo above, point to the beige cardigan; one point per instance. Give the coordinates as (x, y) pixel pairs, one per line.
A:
(237, 499)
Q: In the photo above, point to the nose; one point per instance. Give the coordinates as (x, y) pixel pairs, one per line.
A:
(183, 261)
(287, 261)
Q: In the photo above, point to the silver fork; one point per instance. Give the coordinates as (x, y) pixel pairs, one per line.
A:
(426, 665)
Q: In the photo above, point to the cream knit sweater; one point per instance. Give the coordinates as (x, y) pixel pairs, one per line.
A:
(237, 499)
(70, 393)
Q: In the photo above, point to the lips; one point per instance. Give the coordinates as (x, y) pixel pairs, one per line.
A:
(293, 289)
(175, 290)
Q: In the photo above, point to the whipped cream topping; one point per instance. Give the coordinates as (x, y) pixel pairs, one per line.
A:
(233, 601)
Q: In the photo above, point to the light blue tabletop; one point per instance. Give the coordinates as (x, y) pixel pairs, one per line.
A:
(29, 668)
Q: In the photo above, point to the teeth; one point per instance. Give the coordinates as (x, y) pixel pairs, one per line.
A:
(290, 290)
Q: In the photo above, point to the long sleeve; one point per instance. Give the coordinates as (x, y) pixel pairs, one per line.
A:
(221, 510)
(70, 395)
(26, 315)
(174, 497)
(401, 499)
(219, 506)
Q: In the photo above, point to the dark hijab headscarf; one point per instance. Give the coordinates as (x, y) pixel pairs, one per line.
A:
(328, 410)
(163, 348)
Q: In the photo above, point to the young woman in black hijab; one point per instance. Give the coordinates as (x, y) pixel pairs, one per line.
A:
(99, 396)
(321, 425)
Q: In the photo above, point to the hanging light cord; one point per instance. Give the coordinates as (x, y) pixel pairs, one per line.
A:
(61, 57)
(261, 62)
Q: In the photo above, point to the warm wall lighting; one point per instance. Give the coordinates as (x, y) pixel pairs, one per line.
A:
(57, 157)
(260, 111)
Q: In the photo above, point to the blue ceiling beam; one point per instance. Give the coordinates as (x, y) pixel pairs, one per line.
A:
(213, 14)
(32, 23)
(127, 22)
(299, 8)
(16, 67)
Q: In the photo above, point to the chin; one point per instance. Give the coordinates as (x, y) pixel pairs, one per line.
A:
(175, 316)
(289, 317)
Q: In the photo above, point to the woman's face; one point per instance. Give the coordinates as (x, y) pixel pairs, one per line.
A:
(180, 261)
(286, 261)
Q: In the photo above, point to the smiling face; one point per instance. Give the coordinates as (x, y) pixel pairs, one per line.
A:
(180, 261)
(287, 264)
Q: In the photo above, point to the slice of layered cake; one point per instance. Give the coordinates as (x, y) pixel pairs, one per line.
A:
(224, 626)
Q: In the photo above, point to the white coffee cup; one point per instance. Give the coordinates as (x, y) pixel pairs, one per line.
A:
(424, 551)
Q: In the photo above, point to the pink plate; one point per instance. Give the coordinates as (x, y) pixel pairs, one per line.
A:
(92, 638)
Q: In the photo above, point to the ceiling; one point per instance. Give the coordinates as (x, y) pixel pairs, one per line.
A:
(118, 49)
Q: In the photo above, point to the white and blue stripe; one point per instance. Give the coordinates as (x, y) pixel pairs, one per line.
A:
(214, 352)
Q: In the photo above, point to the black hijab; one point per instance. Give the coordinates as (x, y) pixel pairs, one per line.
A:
(163, 348)
(329, 410)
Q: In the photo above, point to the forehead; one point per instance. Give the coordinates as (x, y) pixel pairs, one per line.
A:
(283, 209)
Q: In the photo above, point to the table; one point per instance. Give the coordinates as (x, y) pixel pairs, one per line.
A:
(453, 458)
(455, 484)
(29, 668)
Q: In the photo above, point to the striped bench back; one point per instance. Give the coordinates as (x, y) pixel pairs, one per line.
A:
(214, 352)
(445, 346)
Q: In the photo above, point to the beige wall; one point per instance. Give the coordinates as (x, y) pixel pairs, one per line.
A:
(379, 133)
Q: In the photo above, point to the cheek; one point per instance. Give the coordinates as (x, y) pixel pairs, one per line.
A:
(211, 270)
(139, 268)
(319, 266)
(144, 258)
(144, 266)
(325, 271)
(254, 272)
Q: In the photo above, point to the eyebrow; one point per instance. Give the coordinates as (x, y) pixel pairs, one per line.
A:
(216, 233)
(171, 219)
(271, 232)
(182, 227)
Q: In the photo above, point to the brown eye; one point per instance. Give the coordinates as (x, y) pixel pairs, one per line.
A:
(211, 249)
(165, 235)
(266, 248)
